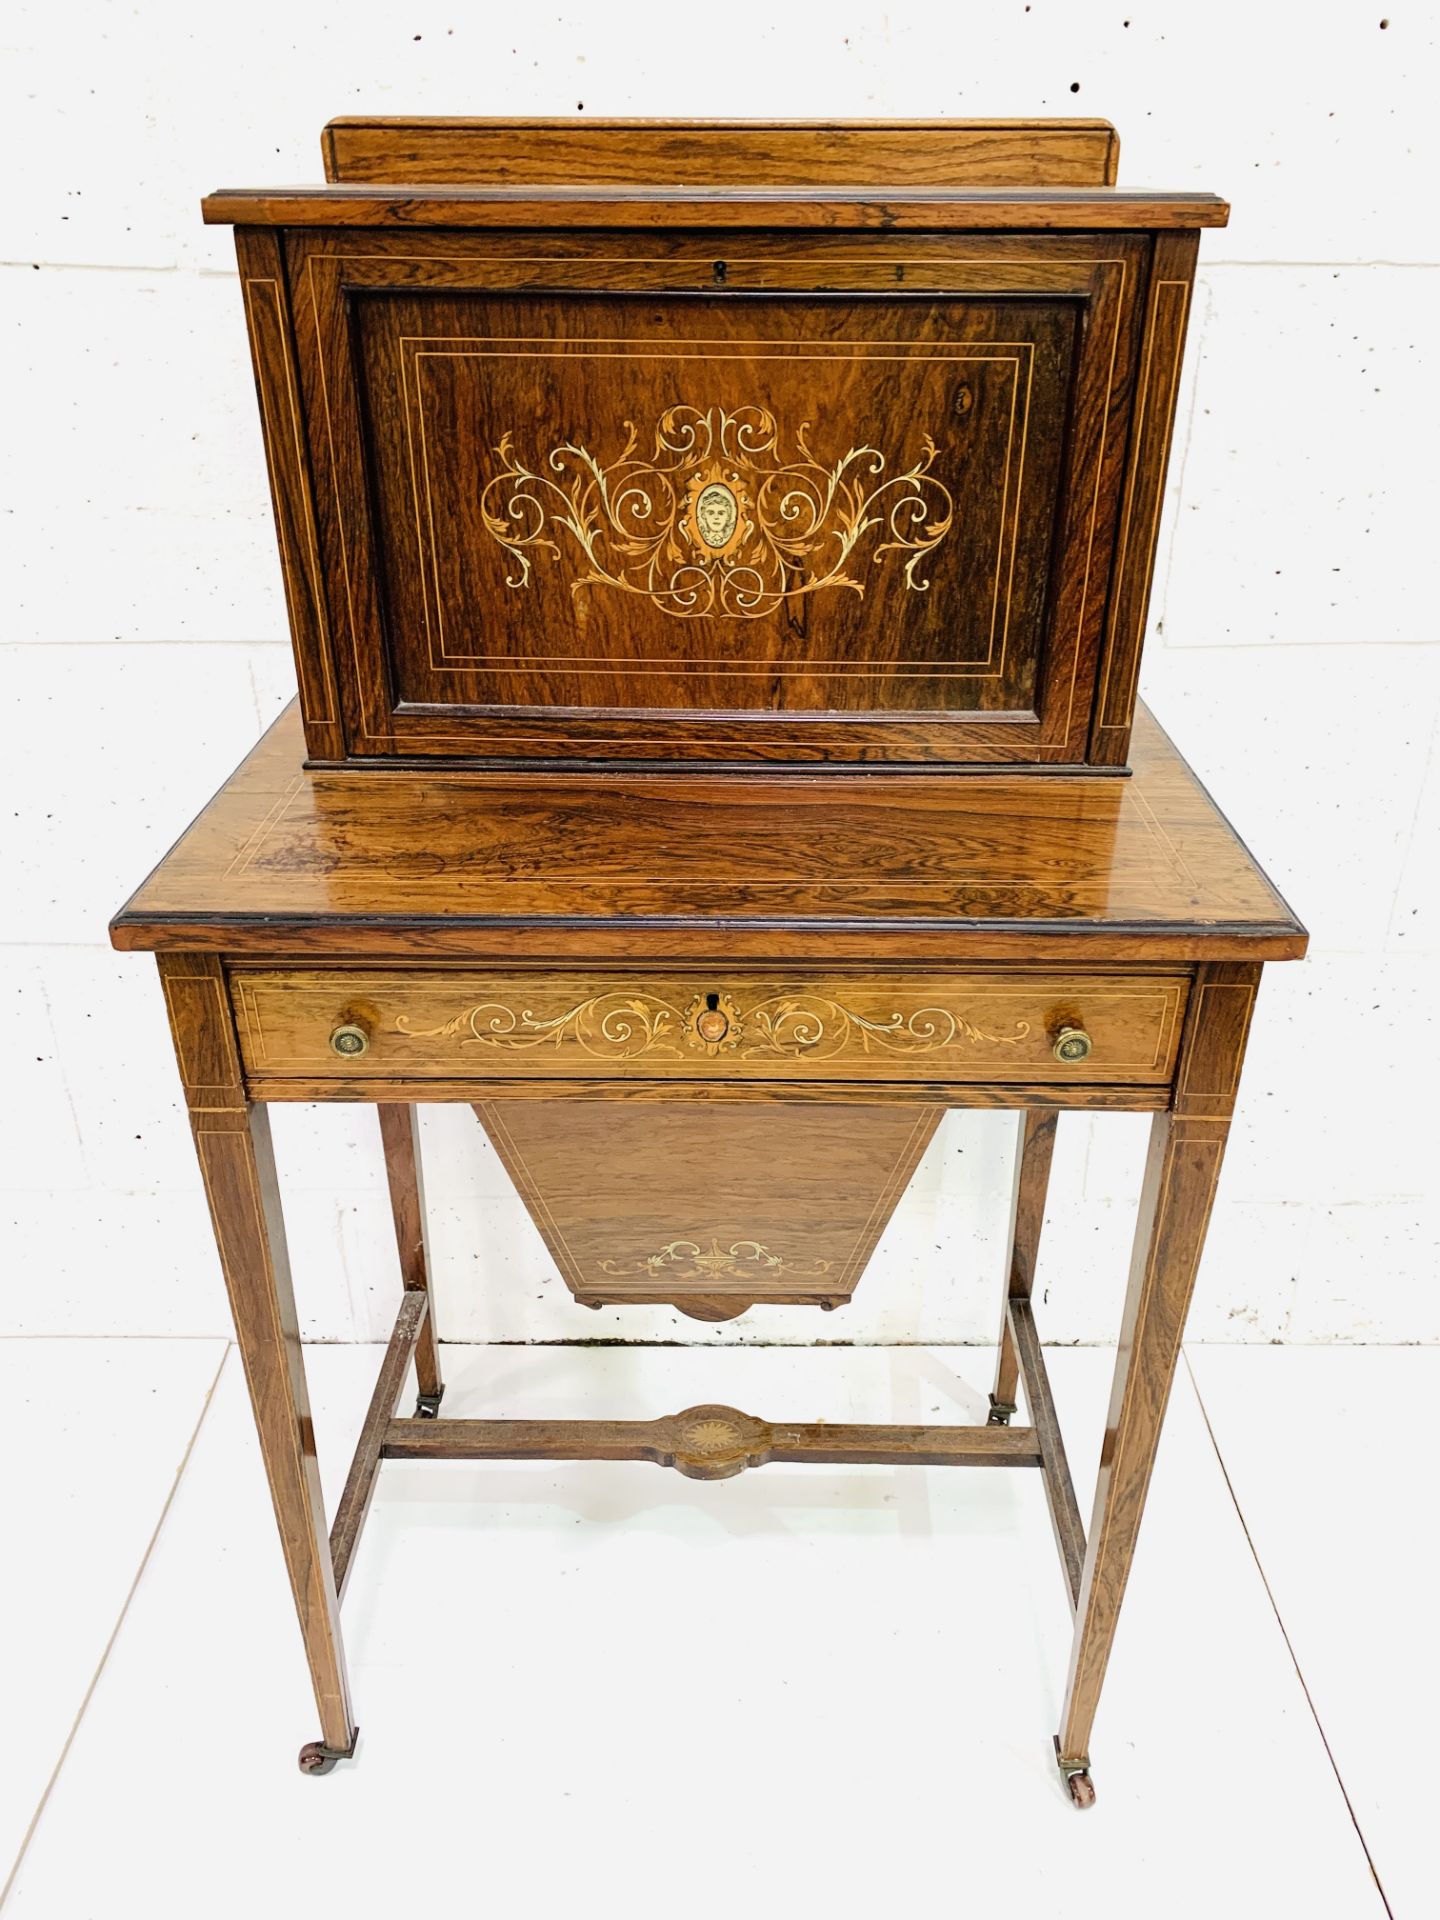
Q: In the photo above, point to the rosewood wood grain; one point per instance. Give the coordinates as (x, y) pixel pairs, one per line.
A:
(359, 1490)
(915, 582)
(290, 863)
(711, 1442)
(758, 208)
(700, 1093)
(1187, 1145)
(232, 1142)
(400, 1136)
(268, 316)
(1059, 1487)
(397, 150)
(1167, 310)
(1035, 1147)
(945, 604)
(710, 1209)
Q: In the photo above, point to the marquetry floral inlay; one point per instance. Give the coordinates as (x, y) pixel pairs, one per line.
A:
(608, 1026)
(801, 1024)
(714, 521)
(627, 1026)
(741, 1260)
(712, 1433)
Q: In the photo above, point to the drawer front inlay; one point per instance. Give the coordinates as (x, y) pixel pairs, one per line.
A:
(793, 1025)
(998, 1026)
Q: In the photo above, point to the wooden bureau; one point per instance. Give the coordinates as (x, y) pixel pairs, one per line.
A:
(717, 558)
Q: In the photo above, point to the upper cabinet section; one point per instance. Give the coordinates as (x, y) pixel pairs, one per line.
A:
(756, 464)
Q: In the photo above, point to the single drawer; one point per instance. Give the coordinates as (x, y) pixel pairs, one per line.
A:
(1004, 1025)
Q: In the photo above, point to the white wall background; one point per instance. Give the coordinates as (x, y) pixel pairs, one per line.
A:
(1294, 650)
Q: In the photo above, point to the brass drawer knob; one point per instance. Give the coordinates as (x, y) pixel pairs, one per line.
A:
(349, 1042)
(1072, 1044)
(712, 1025)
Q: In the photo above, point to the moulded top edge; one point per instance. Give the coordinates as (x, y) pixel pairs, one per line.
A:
(752, 205)
(753, 123)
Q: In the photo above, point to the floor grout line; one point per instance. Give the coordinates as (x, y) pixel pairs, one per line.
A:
(1289, 1646)
(120, 1618)
(147, 1339)
(797, 1345)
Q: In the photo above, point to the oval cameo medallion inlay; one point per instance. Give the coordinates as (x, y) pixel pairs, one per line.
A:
(716, 512)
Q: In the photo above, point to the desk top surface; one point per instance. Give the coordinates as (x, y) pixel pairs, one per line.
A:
(286, 862)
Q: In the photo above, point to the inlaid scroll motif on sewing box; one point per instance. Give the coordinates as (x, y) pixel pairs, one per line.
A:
(714, 521)
(692, 1260)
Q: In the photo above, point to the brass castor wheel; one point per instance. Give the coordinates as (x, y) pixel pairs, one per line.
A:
(1081, 1789)
(316, 1757)
(427, 1405)
(1076, 1774)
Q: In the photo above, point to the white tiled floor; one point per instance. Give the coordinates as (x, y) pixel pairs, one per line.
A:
(571, 1698)
(93, 1434)
(1333, 1457)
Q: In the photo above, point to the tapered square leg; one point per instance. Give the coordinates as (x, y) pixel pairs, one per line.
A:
(1034, 1149)
(400, 1133)
(232, 1142)
(1187, 1145)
